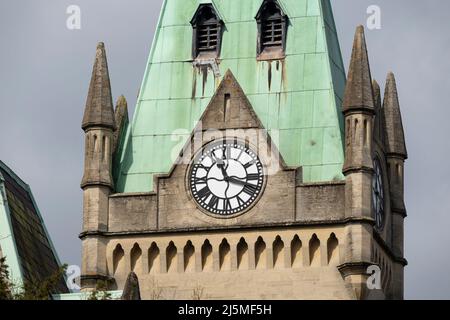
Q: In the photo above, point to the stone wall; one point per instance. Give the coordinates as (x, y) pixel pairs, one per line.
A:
(300, 262)
(132, 212)
(321, 201)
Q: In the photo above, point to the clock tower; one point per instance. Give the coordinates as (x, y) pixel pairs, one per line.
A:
(253, 168)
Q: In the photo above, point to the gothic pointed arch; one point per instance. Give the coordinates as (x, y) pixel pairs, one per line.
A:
(225, 256)
(189, 257)
(118, 259)
(278, 253)
(260, 254)
(333, 249)
(135, 258)
(154, 261)
(207, 258)
(314, 251)
(296, 252)
(171, 257)
(242, 254)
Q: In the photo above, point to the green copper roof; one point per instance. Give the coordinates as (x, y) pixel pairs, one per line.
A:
(299, 97)
(24, 239)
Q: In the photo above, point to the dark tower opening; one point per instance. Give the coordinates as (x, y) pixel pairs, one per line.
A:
(207, 29)
(272, 30)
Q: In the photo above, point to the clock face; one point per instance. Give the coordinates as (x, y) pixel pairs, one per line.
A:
(378, 194)
(226, 178)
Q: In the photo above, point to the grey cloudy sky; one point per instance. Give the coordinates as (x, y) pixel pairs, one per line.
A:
(44, 77)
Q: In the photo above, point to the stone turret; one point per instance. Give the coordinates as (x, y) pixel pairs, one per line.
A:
(396, 155)
(395, 144)
(97, 184)
(99, 125)
(359, 110)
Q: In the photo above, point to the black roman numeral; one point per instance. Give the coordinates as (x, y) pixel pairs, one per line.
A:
(201, 166)
(216, 159)
(240, 154)
(227, 205)
(253, 177)
(198, 180)
(240, 201)
(228, 152)
(250, 190)
(204, 193)
(249, 164)
(214, 202)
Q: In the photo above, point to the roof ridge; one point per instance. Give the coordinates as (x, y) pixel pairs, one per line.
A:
(14, 175)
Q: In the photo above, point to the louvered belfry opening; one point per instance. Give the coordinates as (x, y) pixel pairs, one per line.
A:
(207, 32)
(272, 27)
(208, 35)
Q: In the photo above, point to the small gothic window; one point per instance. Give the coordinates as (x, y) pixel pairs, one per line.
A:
(272, 29)
(207, 32)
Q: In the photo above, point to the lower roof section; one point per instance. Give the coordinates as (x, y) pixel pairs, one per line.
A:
(24, 240)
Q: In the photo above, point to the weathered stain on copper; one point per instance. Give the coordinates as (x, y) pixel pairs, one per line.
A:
(197, 71)
(279, 94)
(270, 74)
(204, 70)
(283, 75)
(194, 82)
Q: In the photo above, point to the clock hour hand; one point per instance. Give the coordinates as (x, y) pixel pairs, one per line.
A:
(224, 172)
(221, 165)
(236, 181)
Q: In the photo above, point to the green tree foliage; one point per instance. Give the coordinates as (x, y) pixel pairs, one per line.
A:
(100, 292)
(5, 284)
(29, 290)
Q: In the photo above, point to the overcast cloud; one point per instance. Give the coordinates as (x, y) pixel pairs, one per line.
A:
(44, 77)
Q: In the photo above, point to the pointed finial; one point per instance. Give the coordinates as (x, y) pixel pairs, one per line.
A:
(131, 289)
(99, 106)
(121, 119)
(122, 102)
(121, 112)
(358, 91)
(395, 137)
(378, 123)
(376, 94)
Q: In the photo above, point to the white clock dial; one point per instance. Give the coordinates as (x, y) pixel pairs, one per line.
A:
(226, 178)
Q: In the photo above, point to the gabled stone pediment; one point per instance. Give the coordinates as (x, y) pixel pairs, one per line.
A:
(230, 113)
(229, 108)
(230, 116)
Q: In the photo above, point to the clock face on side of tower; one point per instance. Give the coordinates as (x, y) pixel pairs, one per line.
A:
(378, 194)
(226, 178)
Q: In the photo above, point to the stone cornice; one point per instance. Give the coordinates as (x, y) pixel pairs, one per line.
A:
(318, 223)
